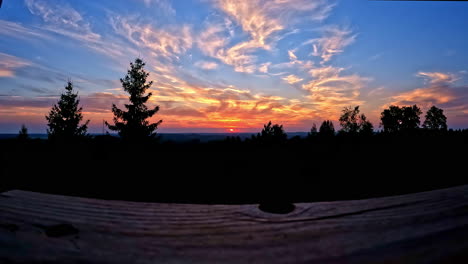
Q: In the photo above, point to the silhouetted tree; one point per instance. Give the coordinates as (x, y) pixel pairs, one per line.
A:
(396, 119)
(435, 119)
(411, 118)
(327, 128)
(366, 127)
(313, 130)
(271, 134)
(132, 125)
(23, 133)
(391, 119)
(353, 123)
(64, 118)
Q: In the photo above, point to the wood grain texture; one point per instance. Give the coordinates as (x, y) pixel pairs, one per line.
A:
(428, 227)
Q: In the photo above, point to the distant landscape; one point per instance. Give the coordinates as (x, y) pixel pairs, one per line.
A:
(176, 137)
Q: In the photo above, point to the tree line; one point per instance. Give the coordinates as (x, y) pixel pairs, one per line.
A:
(65, 119)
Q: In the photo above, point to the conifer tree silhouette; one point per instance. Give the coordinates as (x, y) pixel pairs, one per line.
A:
(327, 128)
(132, 125)
(64, 118)
(23, 133)
(271, 134)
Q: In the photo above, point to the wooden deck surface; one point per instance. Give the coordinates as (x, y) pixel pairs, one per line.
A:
(428, 227)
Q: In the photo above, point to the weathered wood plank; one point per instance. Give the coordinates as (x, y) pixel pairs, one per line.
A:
(428, 227)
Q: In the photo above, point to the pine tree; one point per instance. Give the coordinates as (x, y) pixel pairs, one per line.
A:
(132, 125)
(23, 133)
(64, 118)
(327, 129)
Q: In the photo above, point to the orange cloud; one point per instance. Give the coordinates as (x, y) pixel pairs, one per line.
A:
(424, 96)
(292, 79)
(262, 21)
(441, 92)
(438, 77)
(330, 90)
(6, 73)
(438, 92)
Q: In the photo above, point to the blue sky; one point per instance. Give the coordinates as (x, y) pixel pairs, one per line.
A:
(219, 65)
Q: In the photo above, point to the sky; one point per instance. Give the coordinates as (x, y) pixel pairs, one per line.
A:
(234, 65)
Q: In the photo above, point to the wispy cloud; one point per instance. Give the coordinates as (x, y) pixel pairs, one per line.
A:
(206, 65)
(264, 67)
(166, 43)
(262, 21)
(330, 89)
(334, 40)
(438, 77)
(9, 63)
(17, 30)
(213, 41)
(292, 79)
(163, 5)
(63, 20)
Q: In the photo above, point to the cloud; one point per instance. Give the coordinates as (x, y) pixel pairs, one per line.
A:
(213, 42)
(206, 65)
(292, 56)
(262, 20)
(63, 20)
(330, 89)
(163, 5)
(168, 43)
(16, 30)
(264, 67)
(439, 91)
(438, 77)
(333, 42)
(433, 95)
(254, 18)
(204, 105)
(292, 79)
(8, 64)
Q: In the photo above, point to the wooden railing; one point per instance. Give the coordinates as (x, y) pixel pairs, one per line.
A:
(428, 227)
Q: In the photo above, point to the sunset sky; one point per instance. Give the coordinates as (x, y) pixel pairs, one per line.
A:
(233, 65)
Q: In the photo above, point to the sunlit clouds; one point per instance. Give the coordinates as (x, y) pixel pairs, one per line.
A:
(438, 77)
(292, 79)
(331, 89)
(163, 43)
(441, 91)
(333, 42)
